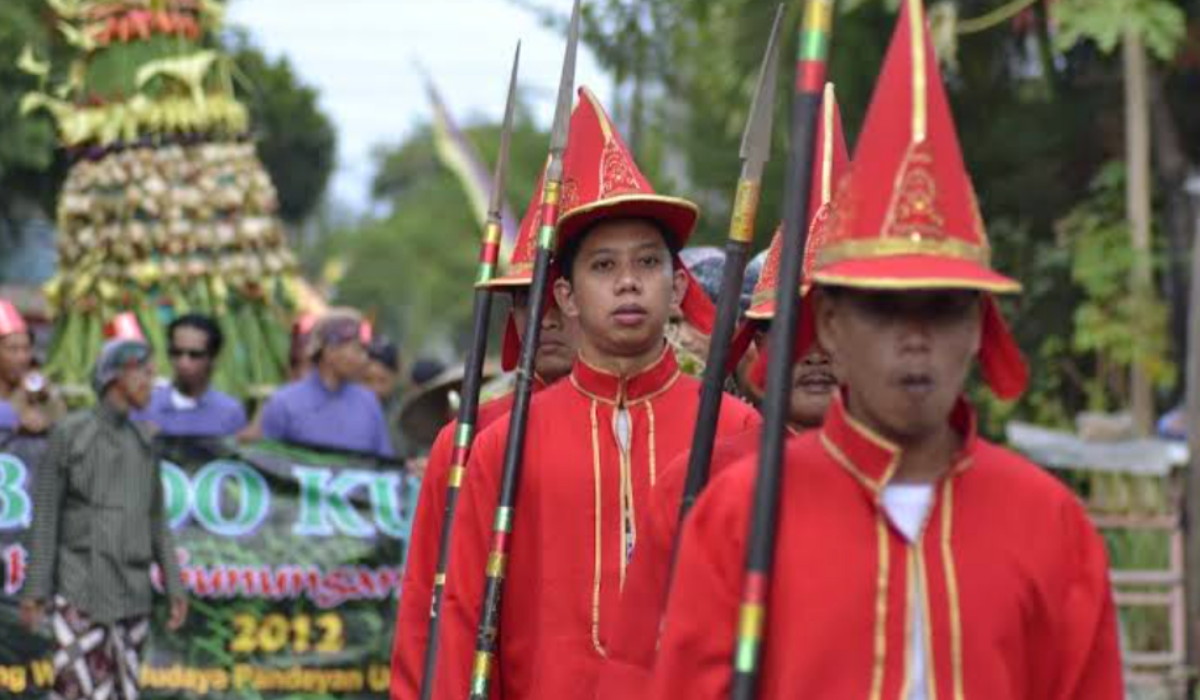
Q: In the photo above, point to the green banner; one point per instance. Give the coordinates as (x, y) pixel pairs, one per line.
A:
(292, 560)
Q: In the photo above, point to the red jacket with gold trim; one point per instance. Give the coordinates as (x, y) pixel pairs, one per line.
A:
(626, 673)
(1013, 576)
(416, 595)
(574, 525)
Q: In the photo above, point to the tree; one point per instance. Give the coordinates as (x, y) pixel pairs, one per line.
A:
(424, 251)
(166, 207)
(296, 139)
(27, 143)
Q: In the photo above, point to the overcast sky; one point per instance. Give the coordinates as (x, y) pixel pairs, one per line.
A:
(360, 55)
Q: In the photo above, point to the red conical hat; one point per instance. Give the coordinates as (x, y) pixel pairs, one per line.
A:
(519, 272)
(10, 319)
(906, 216)
(602, 181)
(519, 275)
(124, 326)
(831, 160)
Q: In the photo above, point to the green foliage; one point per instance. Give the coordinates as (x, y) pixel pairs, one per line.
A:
(424, 251)
(26, 142)
(1109, 324)
(111, 72)
(1161, 23)
(296, 138)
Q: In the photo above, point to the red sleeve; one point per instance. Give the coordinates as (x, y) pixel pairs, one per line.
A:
(696, 652)
(631, 654)
(1089, 667)
(466, 573)
(737, 417)
(412, 617)
(749, 417)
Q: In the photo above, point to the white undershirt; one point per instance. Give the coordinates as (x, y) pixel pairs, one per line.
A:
(907, 506)
(180, 402)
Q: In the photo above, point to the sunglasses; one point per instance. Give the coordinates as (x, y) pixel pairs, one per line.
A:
(176, 353)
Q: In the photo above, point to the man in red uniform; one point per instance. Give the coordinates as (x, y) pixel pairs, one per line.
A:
(914, 560)
(626, 675)
(597, 441)
(556, 354)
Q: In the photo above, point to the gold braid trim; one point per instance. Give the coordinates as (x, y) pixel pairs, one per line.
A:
(911, 245)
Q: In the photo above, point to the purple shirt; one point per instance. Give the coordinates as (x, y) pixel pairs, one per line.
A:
(215, 414)
(8, 417)
(307, 412)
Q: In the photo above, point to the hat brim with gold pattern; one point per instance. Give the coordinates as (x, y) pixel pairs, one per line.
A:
(677, 216)
(909, 272)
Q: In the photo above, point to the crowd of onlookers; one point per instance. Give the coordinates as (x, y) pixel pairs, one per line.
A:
(98, 517)
(344, 392)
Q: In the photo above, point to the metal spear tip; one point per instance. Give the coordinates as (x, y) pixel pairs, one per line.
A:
(756, 140)
(566, 86)
(496, 203)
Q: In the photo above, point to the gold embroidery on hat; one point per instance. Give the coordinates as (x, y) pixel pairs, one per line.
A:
(887, 247)
(570, 194)
(525, 249)
(767, 279)
(816, 238)
(913, 213)
(616, 172)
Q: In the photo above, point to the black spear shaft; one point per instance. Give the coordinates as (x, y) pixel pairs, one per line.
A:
(756, 148)
(514, 450)
(468, 410)
(760, 554)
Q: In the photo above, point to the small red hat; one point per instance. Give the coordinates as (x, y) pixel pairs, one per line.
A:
(519, 272)
(831, 161)
(124, 326)
(906, 216)
(10, 319)
(304, 323)
(519, 275)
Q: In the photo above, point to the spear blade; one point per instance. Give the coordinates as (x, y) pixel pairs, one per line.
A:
(566, 97)
(496, 205)
(756, 140)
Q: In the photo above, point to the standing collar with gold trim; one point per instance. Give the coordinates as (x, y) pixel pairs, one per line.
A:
(872, 459)
(607, 387)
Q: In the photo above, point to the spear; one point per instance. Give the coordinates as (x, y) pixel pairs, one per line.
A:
(755, 151)
(468, 410)
(760, 553)
(514, 449)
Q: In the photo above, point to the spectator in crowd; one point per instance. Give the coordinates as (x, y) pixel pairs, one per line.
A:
(425, 370)
(382, 377)
(8, 418)
(327, 407)
(382, 373)
(189, 406)
(98, 525)
(37, 406)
